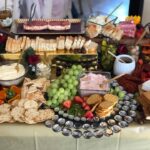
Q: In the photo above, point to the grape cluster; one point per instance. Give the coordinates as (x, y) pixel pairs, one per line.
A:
(65, 87)
(106, 59)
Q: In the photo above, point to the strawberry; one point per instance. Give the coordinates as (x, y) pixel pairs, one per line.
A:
(78, 99)
(89, 115)
(84, 104)
(67, 104)
(87, 107)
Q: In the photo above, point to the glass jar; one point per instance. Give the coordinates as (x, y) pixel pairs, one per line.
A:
(107, 60)
(43, 70)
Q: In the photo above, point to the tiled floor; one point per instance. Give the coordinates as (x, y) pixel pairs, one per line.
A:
(106, 6)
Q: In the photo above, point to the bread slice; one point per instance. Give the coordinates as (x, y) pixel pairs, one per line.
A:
(82, 42)
(78, 42)
(68, 42)
(61, 43)
(23, 43)
(74, 45)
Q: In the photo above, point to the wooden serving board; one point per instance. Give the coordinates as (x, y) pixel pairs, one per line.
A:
(15, 56)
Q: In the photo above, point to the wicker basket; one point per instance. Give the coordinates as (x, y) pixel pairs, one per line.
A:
(5, 13)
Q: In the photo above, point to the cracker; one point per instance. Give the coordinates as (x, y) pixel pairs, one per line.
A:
(5, 118)
(105, 105)
(30, 104)
(31, 113)
(18, 113)
(21, 102)
(111, 98)
(45, 115)
(4, 108)
(93, 99)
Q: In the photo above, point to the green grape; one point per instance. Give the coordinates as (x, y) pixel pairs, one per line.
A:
(75, 82)
(66, 93)
(74, 91)
(62, 81)
(65, 85)
(74, 78)
(49, 103)
(79, 67)
(74, 67)
(54, 101)
(54, 85)
(70, 86)
(70, 72)
(76, 72)
(70, 81)
(54, 105)
(53, 91)
(66, 77)
(61, 90)
(111, 46)
(117, 89)
(60, 100)
(55, 96)
(104, 43)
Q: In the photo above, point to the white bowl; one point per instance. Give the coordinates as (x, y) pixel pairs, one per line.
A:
(13, 81)
(124, 68)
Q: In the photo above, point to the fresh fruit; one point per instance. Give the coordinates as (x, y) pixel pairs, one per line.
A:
(106, 59)
(67, 104)
(87, 107)
(49, 103)
(89, 115)
(117, 89)
(78, 99)
(121, 94)
(65, 87)
(84, 104)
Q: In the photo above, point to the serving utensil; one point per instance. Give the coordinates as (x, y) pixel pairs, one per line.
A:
(32, 12)
(19, 60)
(116, 56)
(109, 80)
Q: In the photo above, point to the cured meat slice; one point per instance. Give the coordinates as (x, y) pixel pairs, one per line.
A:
(36, 25)
(39, 25)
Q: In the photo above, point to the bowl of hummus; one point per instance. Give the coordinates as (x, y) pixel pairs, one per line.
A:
(9, 75)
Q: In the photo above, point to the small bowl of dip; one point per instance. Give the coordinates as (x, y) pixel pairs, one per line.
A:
(9, 75)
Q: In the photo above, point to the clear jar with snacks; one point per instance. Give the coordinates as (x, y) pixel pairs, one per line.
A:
(106, 59)
(43, 70)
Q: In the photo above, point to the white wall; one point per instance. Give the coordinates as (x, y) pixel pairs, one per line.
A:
(146, 12)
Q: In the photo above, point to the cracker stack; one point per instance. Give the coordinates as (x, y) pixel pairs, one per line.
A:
(104, 104)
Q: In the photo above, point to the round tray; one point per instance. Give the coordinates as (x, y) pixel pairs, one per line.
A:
(124, 113)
